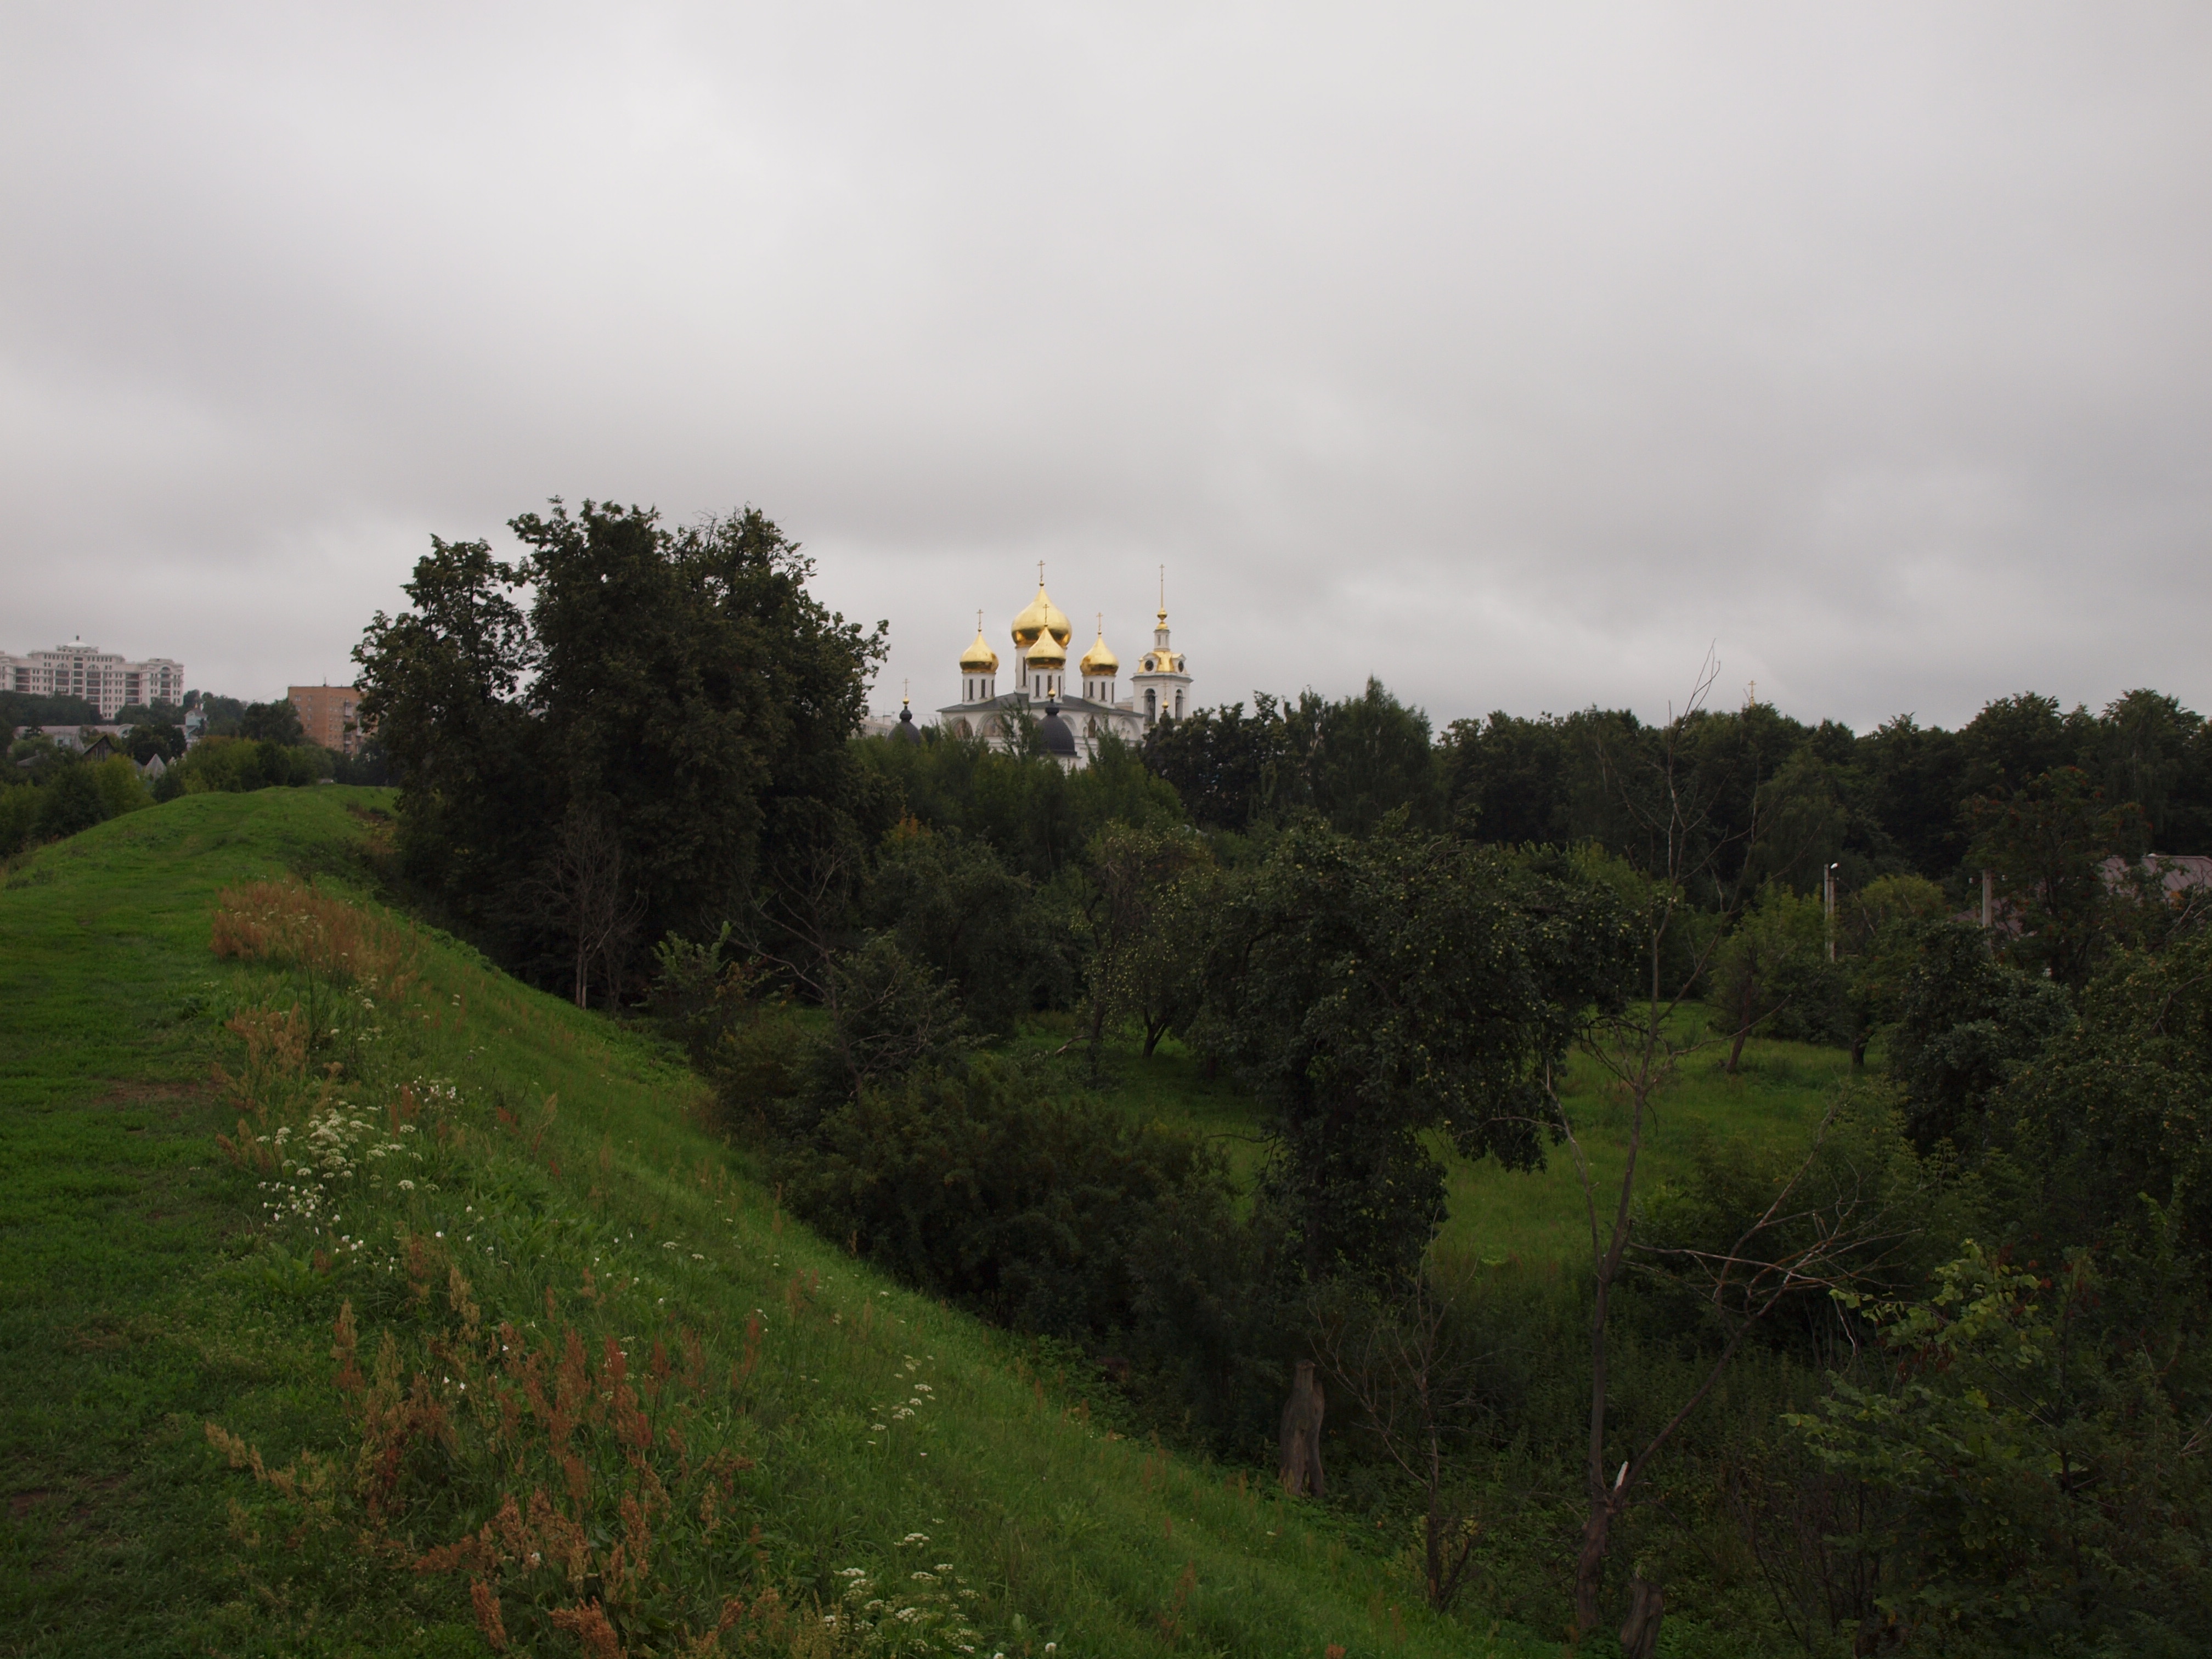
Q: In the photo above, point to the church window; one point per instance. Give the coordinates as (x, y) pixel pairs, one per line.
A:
(1151, 702)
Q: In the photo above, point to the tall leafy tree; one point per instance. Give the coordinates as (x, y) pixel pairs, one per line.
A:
(1374, 991)
(1131, 875)
(2143, 744)
(1965, 1022)
(1915, 779)
(276, 722)
(679, 689)
(1372, 758)
(1772, 972)
(1217, 759)
(441, 683)
(1504, 778)
(954, 905)
(2016, 739)
(2047, 844)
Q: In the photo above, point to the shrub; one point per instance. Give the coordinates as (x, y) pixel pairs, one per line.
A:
(2042, 1495)
(121, 788)
(236, 765)
(19, 817)
(71, 801)
(2112, 1125)
(747, 1042)
(1966, 1023)
(888, 1014)
(1772, 973)
(951, 904)
(977, 1183)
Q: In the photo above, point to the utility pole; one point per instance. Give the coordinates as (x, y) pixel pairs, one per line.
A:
(1988, 901)
(1828, 904)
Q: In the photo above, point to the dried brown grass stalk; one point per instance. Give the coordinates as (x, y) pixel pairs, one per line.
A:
(295, 925)
(585, 1469)
(485, 1600)
(588, 1624)
(275, 1064)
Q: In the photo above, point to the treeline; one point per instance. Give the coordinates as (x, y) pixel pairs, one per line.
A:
(1900, 799)
(1929, 1384)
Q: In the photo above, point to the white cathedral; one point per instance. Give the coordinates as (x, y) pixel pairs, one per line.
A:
(1069, 724)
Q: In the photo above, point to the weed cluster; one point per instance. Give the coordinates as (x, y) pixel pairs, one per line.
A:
(580, 1487)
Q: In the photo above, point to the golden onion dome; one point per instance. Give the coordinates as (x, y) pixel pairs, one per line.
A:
(979, 658)
(1042, 617)
(1047, 652)
(1099, 662)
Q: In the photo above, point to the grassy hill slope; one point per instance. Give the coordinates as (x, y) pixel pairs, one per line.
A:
(252, 1395)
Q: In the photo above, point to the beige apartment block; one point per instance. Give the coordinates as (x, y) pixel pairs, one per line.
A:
(326, 715)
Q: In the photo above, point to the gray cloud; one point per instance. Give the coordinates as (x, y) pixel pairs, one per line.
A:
(1513, 357)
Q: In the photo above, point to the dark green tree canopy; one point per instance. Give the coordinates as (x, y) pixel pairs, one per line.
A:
(953, 904)
(1036, 815)
(276, 722)
(1965, 1022)
(679, 689)
(1371, 991)
(2114, 1119)
(1354, 762)
(2045, 844)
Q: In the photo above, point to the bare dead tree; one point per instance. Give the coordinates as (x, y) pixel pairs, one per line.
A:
(1298, 1465)
(793, 922)
(1807, 1528)
(1640, 1045)
(578, 887)
(1417, 1389)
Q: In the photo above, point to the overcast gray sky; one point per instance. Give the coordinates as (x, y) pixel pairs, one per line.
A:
(1512, 354)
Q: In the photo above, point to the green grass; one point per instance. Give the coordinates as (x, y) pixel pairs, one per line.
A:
(145, 1292)
(1167, 1086)
(1778, 1094)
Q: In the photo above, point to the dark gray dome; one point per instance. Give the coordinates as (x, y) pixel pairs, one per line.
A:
(1059, 739)
(906, 731)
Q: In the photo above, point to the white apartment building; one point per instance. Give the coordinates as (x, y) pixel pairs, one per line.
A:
(102, 678)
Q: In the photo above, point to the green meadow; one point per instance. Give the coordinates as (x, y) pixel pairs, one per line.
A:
(1778, 1095)
(176, 1335)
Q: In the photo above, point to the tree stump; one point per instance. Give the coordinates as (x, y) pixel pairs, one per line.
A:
(1301, 1440)
(1639, 1636)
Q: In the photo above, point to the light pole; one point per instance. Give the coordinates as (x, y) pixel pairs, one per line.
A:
(1828, 904)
